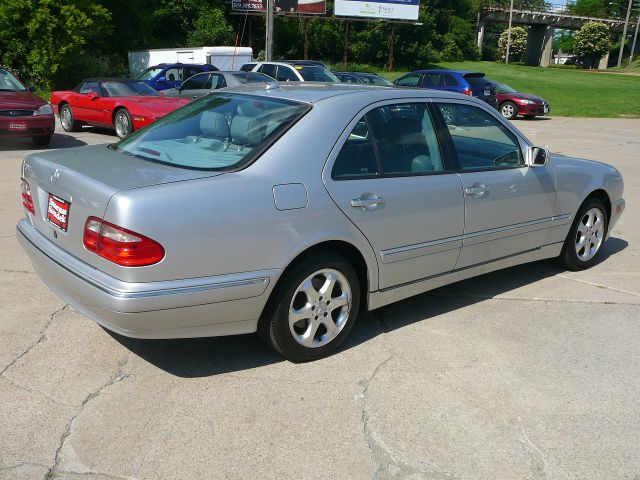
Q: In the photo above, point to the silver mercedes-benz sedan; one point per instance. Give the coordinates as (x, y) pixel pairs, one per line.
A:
(287, 209)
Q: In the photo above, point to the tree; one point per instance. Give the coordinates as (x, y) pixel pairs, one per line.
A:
(38, 36)
(592, 42)
(518, 45)
(210, 28)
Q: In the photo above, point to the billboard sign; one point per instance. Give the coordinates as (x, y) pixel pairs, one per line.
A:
(391, 9)
(281, 6)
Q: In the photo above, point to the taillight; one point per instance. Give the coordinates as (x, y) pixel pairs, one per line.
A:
(119, 245)
(27, 201)
(467, 91)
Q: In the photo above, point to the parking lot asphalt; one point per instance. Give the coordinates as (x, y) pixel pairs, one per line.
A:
(528, 373)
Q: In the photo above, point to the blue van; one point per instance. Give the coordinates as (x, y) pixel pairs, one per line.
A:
(468, 83)
(171, 75)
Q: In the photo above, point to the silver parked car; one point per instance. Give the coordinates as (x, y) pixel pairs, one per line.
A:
(206, 82)
(287, 209)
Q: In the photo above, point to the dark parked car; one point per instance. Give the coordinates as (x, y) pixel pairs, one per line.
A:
(468, 83)
(362, 77)
(22, 113)
(512, 103)
(171, 75)
(207, 82)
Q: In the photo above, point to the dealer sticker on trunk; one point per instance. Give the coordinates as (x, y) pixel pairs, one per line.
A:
(58, 212)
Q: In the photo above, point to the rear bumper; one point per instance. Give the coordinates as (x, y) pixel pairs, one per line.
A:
(207, 306)
(33, 126)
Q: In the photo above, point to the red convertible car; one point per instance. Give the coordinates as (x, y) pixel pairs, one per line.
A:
(22, 113)
(125, 105)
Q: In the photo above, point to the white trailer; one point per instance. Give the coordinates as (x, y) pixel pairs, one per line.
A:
(225, 58)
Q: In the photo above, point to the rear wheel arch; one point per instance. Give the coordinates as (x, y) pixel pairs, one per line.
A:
(347, 250)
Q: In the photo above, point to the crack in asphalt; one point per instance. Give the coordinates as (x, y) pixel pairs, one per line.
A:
(386, 466)
(599, 285)
(106, 476)
(529, 299)
(40, 337)
(24, 388)
(117, 377)
(538, 461)
(6, 270)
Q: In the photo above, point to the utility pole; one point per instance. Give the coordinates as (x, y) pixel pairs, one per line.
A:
(506, 60)
(624, 33)
(269, 32)
(635, 38)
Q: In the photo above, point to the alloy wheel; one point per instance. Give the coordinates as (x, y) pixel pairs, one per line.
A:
(320, 308)
(590, 234)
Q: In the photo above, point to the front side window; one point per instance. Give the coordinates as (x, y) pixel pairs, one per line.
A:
(481, 142)
(197, 82)
(409, 81)
(9, 83)
(391, 140)
(173, 75)
(216, 81)
(88, 87)
(218, 132)
(285, 74)
(268, 69)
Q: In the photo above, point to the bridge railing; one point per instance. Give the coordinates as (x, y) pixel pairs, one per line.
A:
(541, 6)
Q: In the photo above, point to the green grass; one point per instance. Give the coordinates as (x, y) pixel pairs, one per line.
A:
(571, 93)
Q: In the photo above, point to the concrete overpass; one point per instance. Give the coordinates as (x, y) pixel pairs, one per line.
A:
(542, 24)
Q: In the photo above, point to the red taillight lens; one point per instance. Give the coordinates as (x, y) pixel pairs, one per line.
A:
(27, 201)
(467, 91)
(119, 245)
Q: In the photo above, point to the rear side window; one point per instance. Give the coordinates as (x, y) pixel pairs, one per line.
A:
(191, 71)
(481, 142)
(476, 81)
(391, 140)
(247, 67)
(450, 80)
(218, 132)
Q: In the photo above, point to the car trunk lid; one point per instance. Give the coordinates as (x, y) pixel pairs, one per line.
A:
(81, 182)
(481, 88)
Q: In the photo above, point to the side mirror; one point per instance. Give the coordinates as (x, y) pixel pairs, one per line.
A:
(162, 79)
(538, 156)
(180, 86)
(31, 88)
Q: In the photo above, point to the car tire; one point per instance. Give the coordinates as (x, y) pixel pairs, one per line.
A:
(583, 246)
(42, 140)
(304, 321)
(509, 110)
(67, 120)
(122, 123)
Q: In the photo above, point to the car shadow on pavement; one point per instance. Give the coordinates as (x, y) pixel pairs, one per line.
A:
(59, 140)
(203, 357)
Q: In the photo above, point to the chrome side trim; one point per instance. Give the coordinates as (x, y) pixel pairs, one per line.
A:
(417, 250)
(191, 289)
(561, 219)
(509, 230)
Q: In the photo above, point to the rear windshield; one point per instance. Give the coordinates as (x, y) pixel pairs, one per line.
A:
(218, 132)
(316, 74)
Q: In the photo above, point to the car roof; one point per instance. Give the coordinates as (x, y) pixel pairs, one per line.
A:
(314, 92)
(446, 70)
(180, 65)
(110, 79)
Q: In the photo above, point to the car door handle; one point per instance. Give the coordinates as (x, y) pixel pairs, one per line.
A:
(193, 97)
(367, 202)
(477, 191)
